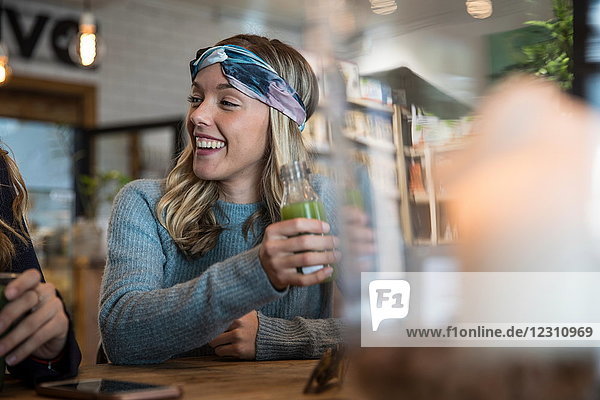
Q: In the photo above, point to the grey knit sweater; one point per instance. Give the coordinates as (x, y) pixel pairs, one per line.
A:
(156, 304)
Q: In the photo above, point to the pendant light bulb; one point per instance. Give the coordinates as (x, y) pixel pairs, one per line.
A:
(88, 43)
(383, 7)
(479, 9)
(5, 70)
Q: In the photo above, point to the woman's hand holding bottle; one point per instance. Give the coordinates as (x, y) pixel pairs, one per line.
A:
(295, 243)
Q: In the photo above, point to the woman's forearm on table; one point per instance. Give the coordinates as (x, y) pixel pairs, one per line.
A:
(145, 320)
(143, 324)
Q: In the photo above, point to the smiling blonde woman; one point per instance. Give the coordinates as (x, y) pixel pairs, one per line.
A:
(200, 263)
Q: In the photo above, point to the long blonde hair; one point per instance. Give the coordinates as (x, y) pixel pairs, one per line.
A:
(186, 208)
(16, 185)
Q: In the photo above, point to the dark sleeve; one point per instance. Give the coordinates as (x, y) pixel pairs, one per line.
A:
(65, 366)
(31, 370)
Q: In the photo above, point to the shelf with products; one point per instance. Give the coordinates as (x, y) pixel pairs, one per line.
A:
(375, 144)
(430, 128)
(364, 105)
(368, 125)
(370, 105)
(400, 144)
(372, 146)
(368, 109)
(382, 172)
(426, 192)
(317, 135)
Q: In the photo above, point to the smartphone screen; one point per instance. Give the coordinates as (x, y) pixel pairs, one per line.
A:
(107, 389)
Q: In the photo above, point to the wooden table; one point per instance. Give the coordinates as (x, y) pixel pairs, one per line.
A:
(206, 378)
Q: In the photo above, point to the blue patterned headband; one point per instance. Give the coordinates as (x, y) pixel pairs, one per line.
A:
(252, 76)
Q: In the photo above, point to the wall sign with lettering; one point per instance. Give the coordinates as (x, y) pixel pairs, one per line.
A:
(61, 31)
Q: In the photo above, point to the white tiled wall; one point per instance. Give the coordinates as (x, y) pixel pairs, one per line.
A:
(144, 74)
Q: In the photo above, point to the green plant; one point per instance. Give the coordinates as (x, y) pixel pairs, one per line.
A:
(553, 58)
(100, 187)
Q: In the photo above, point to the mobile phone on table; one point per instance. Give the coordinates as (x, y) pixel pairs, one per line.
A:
(107, 389)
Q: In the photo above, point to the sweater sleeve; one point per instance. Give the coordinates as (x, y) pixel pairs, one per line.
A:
(66, 365)
(141, 321)
(298, 338)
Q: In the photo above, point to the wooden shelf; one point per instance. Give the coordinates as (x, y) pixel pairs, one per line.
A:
(411, 151)
(382, 145)
(371, 105)
(364, 104)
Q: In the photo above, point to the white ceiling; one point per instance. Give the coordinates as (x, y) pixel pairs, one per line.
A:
(411, 14)
(407, 9)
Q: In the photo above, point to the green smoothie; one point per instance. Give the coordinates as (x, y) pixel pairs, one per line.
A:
(306, 209)
(313, 209)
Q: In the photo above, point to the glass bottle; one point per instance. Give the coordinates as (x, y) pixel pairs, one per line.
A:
(300, 200)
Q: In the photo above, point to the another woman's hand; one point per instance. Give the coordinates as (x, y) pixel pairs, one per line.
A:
(239, 340)
(361, 238)
(360, 246)
(41, 333)
(294, 243)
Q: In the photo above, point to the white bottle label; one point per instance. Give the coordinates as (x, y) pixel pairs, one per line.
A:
(311, 269)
